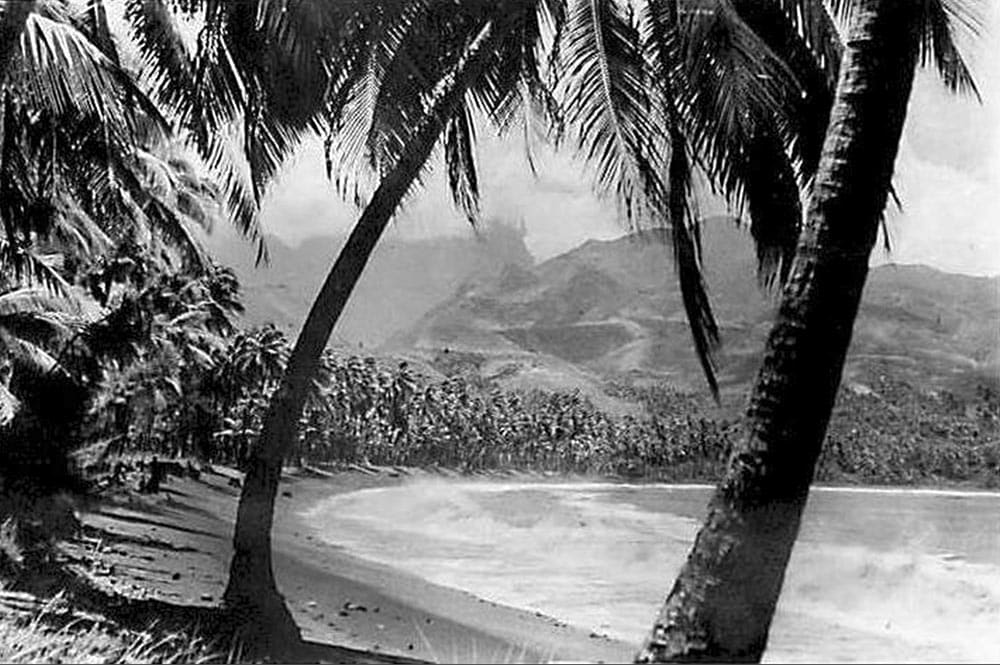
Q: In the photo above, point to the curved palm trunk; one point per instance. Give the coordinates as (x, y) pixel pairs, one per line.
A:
(721, 606)
(252, 593)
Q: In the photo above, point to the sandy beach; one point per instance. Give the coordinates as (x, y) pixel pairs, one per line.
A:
(176, 547)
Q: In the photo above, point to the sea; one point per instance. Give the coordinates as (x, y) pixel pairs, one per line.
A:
(877, 575)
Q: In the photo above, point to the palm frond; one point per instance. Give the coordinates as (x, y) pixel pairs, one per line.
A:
(686, 242)
(60, 70)
(942, 20)
(608, 103)
(13, 15)
(93, 22)
(800, 34)
(365, 56)
(237, 191)
(27, 355)
(30, 268)
(772, 199)
(175, 229)
(460, 159)
(622, 114)
(208, 93)
(161, 47)
(736, 86)
(35, 301)
(34, 316)
(813, 22)
(286, 85)
(517, 86)
(77, 231)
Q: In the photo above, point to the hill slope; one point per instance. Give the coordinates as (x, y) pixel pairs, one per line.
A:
(403, 280)
(612, 309)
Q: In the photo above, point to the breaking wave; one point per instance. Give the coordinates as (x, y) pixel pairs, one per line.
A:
(886, 575)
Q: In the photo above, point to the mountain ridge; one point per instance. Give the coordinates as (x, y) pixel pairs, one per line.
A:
(610, 310)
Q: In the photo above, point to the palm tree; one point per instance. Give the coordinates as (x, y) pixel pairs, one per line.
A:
(159, 341)
(85, 156)
(386, 81)
(252, 590)
(85, 165)
(721, 606)
(401, 76)
(244, 376)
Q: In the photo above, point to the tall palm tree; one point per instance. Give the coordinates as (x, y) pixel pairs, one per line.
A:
(251, 588)
(397, 78)
(721, 606)
(85, 165)
(387, 81)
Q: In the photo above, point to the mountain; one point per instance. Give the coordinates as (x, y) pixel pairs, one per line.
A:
(612, 309)
(404, 279)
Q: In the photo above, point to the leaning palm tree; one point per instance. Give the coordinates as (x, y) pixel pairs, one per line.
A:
(398, 78)
(721, 606)
(424, 104)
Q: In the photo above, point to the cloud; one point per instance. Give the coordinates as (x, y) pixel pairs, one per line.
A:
(947, 174)
(948, 170)
(948, 220)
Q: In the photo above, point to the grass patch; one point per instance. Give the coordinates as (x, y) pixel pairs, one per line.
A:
(52, 634)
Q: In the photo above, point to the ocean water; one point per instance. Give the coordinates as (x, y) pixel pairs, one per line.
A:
(876, 575)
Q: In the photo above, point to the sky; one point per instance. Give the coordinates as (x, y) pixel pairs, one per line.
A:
(947, 177)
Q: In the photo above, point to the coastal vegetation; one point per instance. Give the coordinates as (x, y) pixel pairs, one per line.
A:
(368, 411)
(118, 334)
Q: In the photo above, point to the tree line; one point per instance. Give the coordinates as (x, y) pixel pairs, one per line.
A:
(366, 411)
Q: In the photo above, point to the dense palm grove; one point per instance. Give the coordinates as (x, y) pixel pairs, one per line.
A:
(146, 361)
(195, 387)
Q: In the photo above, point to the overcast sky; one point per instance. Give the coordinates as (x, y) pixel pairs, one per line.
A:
(947, 175)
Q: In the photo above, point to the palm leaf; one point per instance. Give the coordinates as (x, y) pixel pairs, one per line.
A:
(738, 85)
(686, 242)
(30, 268)
(620, 113)
(9, 405)
(459, 153)
(608, 104)
(61, 70)
(13, 15)
(942, 20)
(815, 25)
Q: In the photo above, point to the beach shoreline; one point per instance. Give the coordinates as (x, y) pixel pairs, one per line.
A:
(176, 547)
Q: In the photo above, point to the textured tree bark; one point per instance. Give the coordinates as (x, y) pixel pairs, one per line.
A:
(721, 605)
(252, 594)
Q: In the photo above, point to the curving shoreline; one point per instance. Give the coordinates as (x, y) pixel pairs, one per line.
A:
(176, 547)
(869, 566)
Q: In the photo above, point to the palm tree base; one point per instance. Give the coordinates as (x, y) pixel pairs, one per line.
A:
(261, 622)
